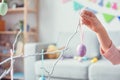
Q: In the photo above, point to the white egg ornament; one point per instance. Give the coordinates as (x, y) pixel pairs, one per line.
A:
(81, 50)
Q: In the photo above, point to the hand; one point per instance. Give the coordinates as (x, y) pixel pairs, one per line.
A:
(90, 20)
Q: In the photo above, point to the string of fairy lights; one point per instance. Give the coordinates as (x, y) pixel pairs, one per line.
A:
(13, 58)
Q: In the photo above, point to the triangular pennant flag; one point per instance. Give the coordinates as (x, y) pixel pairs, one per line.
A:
(114, 6)
(108, 18)
(91, 10)
(108, 5)
(94, 1)
(119, 18)
(65, 1)
(77, 6)
(100, 3)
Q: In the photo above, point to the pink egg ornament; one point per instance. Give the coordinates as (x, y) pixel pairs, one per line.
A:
(81, 50)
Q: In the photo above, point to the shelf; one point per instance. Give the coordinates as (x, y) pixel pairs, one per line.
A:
(29, 35)
(17, 10)
(8, 32)
(15, 32)
(5, 55)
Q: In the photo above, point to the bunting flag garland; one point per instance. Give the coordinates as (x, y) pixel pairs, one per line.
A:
(77, 6)
(108, 18)
(108, 5)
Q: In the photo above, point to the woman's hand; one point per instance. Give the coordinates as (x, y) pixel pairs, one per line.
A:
(90, 20)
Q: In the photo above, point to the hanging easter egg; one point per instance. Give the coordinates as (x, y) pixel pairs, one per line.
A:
(42, 78)
(3, 8)
(81, 50)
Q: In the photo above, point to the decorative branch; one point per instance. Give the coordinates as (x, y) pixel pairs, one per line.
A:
(12, 58)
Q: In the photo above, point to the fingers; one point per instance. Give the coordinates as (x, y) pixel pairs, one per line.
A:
(87, 13)
(87, 17)
(86, 20)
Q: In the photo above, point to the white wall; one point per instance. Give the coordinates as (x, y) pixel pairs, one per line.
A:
(56, 17)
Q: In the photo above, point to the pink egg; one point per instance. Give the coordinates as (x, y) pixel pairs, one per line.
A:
(81, 50)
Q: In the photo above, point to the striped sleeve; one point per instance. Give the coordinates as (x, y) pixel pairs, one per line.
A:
(112, 54)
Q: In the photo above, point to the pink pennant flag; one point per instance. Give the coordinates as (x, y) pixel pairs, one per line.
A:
(94, 1)
(114, 6)
(65, 1)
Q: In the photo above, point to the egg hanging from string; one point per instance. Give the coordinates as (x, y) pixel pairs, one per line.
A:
(81, 50)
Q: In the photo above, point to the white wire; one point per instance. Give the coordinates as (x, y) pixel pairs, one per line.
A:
(6, 72)
(3, 74)
(16, 40)
(25, 56)
(11, 72)
(11, 58)
(63, 51)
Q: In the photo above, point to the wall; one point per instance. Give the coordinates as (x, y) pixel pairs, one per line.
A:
(56, 17)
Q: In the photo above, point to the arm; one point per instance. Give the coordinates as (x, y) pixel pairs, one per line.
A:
(112, 54)
(89, 19)
(108, 49)
(104, 39)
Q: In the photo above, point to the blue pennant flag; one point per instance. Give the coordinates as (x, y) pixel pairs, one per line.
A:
(77, 6)
(100, 3)
(94, 11)
(119, 18)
